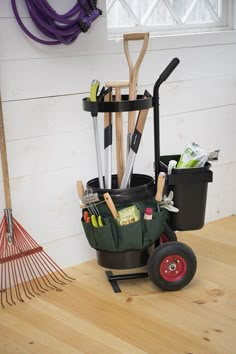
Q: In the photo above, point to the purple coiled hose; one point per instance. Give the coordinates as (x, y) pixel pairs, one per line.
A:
(60, 28)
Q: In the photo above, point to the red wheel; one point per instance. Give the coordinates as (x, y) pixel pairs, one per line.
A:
(172, 266)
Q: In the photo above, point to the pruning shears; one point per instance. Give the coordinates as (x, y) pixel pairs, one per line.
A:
(94, 90)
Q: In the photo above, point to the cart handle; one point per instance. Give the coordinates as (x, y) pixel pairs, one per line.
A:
(164, 75)
(169, 69)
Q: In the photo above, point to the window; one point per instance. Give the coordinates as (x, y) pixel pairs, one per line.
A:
(168, 16)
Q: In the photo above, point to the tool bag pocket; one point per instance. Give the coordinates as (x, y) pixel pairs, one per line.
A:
(105, 236)
(135, 236)
(100, 238)
(130, 237)
(89, 232)
(154, 228)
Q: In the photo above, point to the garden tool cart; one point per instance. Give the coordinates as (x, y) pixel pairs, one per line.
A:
(151, 240)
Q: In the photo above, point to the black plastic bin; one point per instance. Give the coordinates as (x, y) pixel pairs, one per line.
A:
(131, 242)
(190, 194)
(141, 187)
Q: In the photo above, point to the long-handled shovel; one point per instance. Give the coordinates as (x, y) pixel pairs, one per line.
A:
(133, 75)
(135, 142)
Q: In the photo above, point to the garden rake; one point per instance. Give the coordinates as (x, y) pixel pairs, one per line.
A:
(25, 269)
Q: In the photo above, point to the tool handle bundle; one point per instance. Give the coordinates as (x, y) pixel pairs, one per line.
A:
(97, 103)
(135, 126)
(142, 104)
(60, 28)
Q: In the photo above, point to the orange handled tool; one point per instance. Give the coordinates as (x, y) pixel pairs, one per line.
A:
(110, 205)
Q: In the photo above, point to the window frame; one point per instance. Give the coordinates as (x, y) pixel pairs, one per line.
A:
(167, 31)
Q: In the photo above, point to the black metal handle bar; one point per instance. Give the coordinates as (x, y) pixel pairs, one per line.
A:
(164, 75)
(118, 106)
(168, 70)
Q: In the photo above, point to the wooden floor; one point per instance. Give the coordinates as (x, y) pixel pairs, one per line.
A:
(88, 317)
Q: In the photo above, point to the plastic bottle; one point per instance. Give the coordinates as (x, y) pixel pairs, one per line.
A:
(148, 214)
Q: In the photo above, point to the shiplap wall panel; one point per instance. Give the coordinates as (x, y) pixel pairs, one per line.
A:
(52, 204)
(64, 114)
(221, 193)
(47, 204)
(60, 7)
(6, 9)
(67, 75)
(212, 129)
(50, 138)
(19, 46)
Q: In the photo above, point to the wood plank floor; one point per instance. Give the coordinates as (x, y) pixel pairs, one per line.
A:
(88, 317)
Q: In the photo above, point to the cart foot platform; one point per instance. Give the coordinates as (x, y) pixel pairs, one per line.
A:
(113, 279)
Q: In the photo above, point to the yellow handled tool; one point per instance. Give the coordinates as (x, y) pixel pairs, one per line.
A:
(93, 97)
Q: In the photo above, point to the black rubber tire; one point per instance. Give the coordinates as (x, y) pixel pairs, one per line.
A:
(168, 235)
(161, 260)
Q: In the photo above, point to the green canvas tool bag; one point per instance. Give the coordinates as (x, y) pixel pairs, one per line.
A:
(138, 235)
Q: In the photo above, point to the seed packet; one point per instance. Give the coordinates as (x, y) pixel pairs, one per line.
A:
(128, 215)
(193, 156)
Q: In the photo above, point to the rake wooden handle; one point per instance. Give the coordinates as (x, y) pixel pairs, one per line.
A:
(3, 150)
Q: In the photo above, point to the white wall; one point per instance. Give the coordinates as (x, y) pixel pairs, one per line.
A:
(50, 138)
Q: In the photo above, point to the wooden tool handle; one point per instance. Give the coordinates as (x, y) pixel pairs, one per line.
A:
(134, 36)
(134, 70)
(80, 190)
(142, 116)
(120, 84)
(5, 173)
(107, 115)
(141, 120)
(110, 205)
(160, 186)
(119, 141)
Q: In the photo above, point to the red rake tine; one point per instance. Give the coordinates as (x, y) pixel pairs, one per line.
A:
(33, 245)
(5, 269)
(28, 254)
(42, 262)
(26, 263)
(9, 270)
